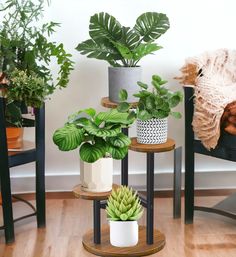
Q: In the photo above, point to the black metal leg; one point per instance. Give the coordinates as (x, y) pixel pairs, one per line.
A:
(177, 182)
(5, 180)
(124, 164)
(189, 157)
(96, 222)
(150, 196)
(40, 167)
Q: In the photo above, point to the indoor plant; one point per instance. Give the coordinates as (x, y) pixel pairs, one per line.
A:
(99, 137)
(25, 50)
(153, 109)
(123, 210)
(123, 47)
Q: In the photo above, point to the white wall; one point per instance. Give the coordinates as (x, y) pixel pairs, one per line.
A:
(196, 26)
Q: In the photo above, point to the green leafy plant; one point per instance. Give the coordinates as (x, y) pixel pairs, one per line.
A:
(124, 205)
(97, 135)
(123, 46)
(25, 46)
(157, 103)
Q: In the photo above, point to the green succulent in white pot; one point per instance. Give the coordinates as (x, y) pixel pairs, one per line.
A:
(123, 210)
(154, 107)
(123, 47)
(100, 139)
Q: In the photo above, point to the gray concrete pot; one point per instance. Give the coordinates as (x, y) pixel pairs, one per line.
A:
(123, 78)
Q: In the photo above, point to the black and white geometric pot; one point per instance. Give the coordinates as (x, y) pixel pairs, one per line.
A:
(153, 131)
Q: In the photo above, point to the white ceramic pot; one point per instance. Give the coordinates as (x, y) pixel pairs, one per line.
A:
(123, 78)
(123, 233)
(153, 131)
(97, 176)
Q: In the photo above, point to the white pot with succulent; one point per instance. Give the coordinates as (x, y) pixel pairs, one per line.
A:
(123, 210)
(123, 47)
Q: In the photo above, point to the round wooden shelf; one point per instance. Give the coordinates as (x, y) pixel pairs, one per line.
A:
(106, 249)
(152, 148)
(105, 102)
(79, 193)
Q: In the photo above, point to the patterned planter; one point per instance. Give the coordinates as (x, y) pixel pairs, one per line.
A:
(153, 131)
(123, 78)
(97, 176)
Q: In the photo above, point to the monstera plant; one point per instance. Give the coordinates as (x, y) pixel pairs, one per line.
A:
(123, 47)
(100, 139)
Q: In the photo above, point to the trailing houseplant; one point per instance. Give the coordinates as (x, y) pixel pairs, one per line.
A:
(123, 47)
(100, 139)
(123, 210)
(25, 55)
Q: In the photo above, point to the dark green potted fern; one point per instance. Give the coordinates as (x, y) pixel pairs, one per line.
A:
(123, 47)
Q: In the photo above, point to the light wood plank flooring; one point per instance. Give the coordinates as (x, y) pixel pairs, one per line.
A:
(68, 219)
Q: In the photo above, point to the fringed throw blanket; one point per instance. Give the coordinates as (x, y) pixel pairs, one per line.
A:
(213, 76)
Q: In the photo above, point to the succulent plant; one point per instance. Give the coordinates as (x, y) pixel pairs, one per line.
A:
(124, 205)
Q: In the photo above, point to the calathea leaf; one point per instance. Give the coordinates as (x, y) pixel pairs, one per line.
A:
(114, 116)
(120, 140)
(69, 137)
(102, 51)
(117, 152)
(95, 130)
(104, 27)
(82, 114)
(144, 49)
(92, 152)
(151, 25)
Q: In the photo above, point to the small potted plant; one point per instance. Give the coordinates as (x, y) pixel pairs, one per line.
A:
(153, 109)
(123, 210)
(123, 47)
(100, 140)
(26, 78)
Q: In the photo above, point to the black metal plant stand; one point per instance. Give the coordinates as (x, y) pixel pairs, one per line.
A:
(226, 150)
(6, 162)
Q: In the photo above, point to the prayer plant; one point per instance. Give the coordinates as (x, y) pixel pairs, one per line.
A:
(98, 135)
(120, 45)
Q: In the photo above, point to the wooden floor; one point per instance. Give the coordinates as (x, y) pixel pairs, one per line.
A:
(69, 219)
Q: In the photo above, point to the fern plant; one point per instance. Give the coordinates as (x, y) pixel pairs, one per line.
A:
(97, 135)
(124, 205)
(123, 46)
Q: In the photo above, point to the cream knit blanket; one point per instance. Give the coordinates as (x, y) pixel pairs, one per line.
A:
(214, 89)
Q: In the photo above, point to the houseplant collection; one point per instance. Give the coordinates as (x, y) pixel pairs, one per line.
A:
(25, 55)
(123, 210)
(100, 139)
(123, 47)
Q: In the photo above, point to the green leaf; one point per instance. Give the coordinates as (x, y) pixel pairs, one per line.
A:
(156, 78)
(144, 115)
(123, 50)
(142, 85)
(120, 140)
(69, 137)
(104, 28)
(177, 115)
(123, 95)
(150, 103)
(130, 38)
(118, 153)
(114, 116)
(144, 49)
(174, 100)
(92, 152)
(160, 114)
(100, 50)
(123, 107)
(151, 25)
(132, 116)
(89, 111)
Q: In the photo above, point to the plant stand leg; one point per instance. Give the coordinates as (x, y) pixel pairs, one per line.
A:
(150, 197)
(124, 164)
(177, 182)
(97, 222)
(5, 180)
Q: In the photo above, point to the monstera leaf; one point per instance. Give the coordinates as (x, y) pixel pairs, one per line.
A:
(101, 51)
(69, 137)
(95, 130)
(130, 38)
(92, 152)
(121, 140)
(104, 28)
(144, 49)
(151, 25)
(117, 152)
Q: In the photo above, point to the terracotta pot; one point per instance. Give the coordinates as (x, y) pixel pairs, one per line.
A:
(15, 138)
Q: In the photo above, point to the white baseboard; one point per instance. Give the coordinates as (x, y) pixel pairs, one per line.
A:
(163, 181)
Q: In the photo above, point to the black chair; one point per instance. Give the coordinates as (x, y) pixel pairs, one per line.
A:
(226, 149)
(7, 161)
